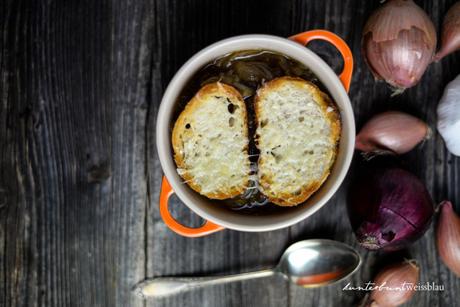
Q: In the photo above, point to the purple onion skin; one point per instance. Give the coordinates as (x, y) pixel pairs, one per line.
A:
(389, 209)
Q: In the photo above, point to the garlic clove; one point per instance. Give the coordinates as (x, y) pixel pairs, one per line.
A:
(448, 237)
(395, 280)
(391, 132)
(449, 116)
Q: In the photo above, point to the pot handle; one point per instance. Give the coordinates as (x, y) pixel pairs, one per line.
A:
(206, 229)
(306, 37)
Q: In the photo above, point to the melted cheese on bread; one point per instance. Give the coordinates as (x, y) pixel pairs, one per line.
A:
(297, 133)
(210, 142)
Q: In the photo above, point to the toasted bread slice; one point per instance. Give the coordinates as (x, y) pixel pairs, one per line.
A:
(298, 128)
(210, 142)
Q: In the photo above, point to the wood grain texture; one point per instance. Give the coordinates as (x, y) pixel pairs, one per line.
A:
(80, 86)
(75, 80)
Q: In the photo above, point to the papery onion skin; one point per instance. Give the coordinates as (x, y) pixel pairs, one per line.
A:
(399, 42)
(450, 37)
(389, 209)
(448, 237)
(391, 132)
(449, 116)
(395, 276)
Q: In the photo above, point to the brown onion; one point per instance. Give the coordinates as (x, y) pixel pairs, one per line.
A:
(448, 237)
(399, 41)
(450, 37)
(394, 284)
(391, 132)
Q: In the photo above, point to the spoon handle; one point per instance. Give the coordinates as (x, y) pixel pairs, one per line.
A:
(165, 286)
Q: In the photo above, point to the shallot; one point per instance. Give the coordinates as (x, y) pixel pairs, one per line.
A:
(399, 42)
(391, 132)
(395, 284)
(450, 37)
(448, 237)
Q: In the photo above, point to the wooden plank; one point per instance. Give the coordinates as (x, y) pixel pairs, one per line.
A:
(80, 86)
(73, 109)
(345, 18)
(228, 251)
(430, 161)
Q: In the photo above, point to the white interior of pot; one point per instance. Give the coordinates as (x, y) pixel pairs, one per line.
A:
(217, 212)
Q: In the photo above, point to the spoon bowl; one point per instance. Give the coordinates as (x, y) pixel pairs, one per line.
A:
(313, 263)
(309, 263)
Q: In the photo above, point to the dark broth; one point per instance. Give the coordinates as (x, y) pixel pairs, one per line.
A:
(247, 70)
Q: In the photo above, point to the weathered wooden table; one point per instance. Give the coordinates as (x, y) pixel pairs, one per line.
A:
(80, 85)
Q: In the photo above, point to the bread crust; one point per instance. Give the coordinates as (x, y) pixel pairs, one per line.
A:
(179, 130)
(330, 112)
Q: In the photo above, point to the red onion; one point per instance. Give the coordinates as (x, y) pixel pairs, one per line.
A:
(450, 37)
(389, 209)
(399, 41)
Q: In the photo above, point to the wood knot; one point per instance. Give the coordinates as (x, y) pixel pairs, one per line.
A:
(99, 173)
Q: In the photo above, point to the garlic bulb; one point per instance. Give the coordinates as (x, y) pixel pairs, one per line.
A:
(449, 116)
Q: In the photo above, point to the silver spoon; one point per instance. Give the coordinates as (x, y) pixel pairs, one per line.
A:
(309, 263)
